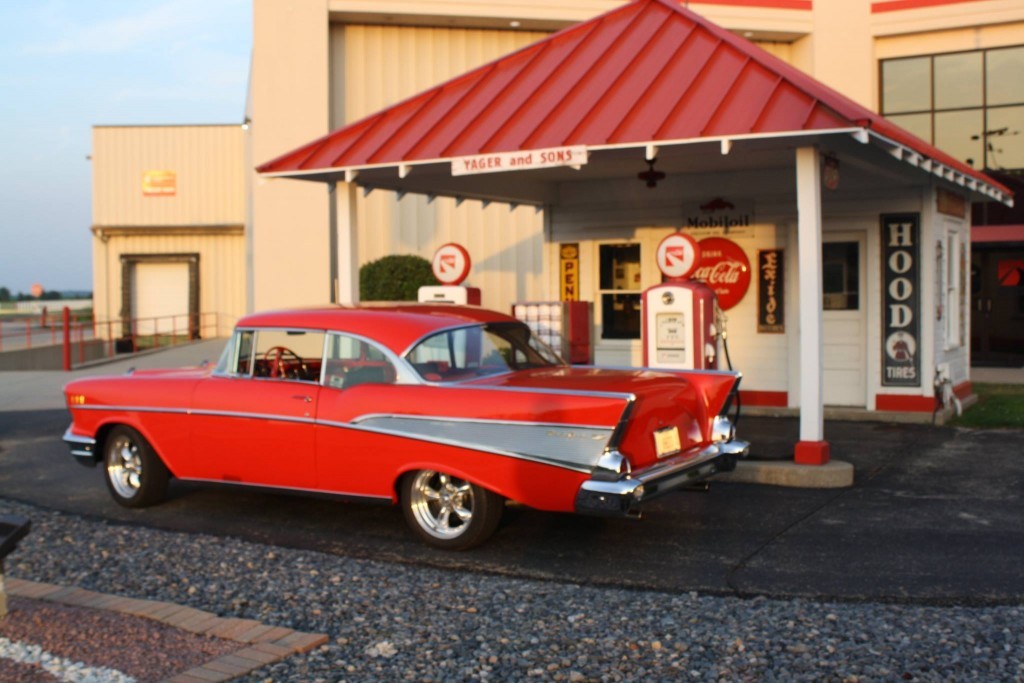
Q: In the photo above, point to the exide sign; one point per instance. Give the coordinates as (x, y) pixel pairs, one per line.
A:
(725, 268)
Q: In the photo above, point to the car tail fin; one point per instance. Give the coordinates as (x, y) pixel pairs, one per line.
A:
(717, 389)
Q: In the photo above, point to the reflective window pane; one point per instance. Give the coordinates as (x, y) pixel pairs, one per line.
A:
(918, 124)
(959, 134)
(906, 85)
(620, 315)
(620, 266)
(958, 81)
(1005, 131)
(1004, 69)
(840, 270)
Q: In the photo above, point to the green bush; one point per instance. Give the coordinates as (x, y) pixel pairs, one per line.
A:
(394, 278)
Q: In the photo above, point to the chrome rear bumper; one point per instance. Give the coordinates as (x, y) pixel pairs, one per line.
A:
(82, 447)
(624, 496)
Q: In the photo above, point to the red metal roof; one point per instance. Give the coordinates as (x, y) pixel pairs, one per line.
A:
(648, 72)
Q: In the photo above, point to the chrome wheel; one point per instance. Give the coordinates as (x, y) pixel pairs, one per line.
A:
(124, 468)
(136, 476)
(448, 512)
(443, 505)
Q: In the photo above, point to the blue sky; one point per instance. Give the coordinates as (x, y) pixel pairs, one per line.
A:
(69, 65)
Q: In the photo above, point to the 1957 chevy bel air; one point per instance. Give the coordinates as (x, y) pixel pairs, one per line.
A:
(448, 411)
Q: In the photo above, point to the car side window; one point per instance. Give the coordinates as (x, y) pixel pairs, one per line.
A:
(288, 354)
(351, 361)
(236, 359)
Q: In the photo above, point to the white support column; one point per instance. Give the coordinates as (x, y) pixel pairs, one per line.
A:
(812, 448)
(344, 253)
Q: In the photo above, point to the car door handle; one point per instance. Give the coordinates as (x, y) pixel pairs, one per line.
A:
(303, 397)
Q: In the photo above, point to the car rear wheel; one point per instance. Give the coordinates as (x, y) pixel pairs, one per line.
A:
(136, 477)
(448, 512)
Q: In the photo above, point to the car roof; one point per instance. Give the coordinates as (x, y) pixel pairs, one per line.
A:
(396, 326)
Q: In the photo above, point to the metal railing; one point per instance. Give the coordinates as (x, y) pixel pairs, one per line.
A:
(90, 339)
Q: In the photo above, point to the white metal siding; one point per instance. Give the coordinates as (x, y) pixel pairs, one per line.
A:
(376, 66)
(208, 162)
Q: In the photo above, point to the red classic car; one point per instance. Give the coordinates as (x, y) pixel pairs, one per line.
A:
(446, 410)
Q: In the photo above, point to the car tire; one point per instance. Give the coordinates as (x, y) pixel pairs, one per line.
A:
(136, 477)
(447, 512)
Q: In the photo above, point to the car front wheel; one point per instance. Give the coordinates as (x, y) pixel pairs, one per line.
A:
(447, 512)
(136, 477)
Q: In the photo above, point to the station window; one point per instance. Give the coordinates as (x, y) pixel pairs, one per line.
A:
(840, 265)
(620, 290)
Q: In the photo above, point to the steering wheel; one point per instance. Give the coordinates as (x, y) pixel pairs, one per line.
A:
(286, 363)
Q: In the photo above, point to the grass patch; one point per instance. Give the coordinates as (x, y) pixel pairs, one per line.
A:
(999, 405)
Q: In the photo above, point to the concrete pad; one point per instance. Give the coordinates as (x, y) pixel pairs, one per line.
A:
(835, 474)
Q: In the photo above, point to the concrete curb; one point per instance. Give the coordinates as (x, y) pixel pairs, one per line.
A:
(259, 643)
(835, 474)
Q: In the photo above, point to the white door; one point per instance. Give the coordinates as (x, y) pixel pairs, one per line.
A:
(160, 298)
(844, 320)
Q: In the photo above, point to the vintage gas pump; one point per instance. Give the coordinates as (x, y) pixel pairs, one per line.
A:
(451, 266)
(679, 330)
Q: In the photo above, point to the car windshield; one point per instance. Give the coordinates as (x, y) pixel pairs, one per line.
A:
(468, 352)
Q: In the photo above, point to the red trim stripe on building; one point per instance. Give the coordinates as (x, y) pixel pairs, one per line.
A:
(898, 5)
(770, 399)
(763, 4)
(997, 233)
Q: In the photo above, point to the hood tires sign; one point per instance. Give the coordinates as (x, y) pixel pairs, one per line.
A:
(901, 325)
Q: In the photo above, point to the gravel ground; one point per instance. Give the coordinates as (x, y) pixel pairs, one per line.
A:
(398, 622)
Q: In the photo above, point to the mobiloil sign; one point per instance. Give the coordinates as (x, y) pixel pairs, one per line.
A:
(901, 327)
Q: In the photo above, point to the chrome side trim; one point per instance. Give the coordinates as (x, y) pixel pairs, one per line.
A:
(133, 409)
(549, 443)
(553, 425)
(213, 413)
(664, 371)
(291, 489)
(480, 448)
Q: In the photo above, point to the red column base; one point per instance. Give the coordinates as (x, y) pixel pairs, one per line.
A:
(811, 453)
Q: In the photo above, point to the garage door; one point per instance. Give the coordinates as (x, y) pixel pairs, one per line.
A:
(160, 298)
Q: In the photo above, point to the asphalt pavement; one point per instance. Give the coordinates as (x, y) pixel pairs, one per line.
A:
(935, 514)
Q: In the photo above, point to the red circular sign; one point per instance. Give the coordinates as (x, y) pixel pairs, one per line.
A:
(725, 268)
(677, 256)
(451, 264)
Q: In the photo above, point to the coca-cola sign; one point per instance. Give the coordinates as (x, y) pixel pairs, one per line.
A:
(725, 268)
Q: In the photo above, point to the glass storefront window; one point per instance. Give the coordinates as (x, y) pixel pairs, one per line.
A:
(906, 85)
(968, 104)
(918, 124)
(1005, 133)
(959, 133)
(1003, 82)
(620, 291)
(958, 80)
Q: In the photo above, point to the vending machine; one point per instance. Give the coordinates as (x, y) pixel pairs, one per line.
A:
(678, 327)
(562, 325)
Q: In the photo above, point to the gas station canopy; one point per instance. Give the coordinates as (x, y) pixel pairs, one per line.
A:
(649, 75)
